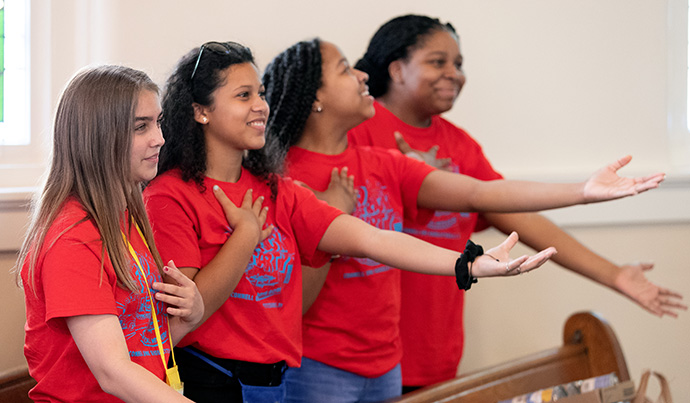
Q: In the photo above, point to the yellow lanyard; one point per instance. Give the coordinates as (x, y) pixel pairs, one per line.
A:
(172, 376)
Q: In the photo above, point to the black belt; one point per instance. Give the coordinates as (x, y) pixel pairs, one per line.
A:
(249, 373)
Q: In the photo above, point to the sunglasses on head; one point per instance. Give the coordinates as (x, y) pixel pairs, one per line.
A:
(221, 48)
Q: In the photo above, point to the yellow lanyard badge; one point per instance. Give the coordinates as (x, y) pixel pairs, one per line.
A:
(172, 375)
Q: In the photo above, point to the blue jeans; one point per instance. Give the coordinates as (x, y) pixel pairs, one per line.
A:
(316, 382)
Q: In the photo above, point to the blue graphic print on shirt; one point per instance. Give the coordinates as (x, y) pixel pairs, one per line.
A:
(135, 312)
(374, 207)
(269, 269)
(440, 226)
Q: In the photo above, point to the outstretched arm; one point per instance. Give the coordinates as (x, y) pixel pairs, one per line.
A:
(454, 192)
(351, 236)
(537, 231)
(102, 344)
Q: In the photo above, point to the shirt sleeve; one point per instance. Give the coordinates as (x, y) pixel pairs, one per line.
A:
(311, 218)
(480, 169)
(412, 173)
(74, 280)
(173, 230)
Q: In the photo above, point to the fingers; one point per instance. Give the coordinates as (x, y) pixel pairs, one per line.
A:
(646, 266)
(650, 184)
(444, 163)
(222, 198)
(658, 177)
(510, 242)
(669, 293)
(667, 306)
(621, 162)
(347, 180)
(265, 232)
(247, 199)
(257, 206)
(534, 262)
(174, 274)
(402, 144)
(173, 293)
(335, 176)
(183, 298)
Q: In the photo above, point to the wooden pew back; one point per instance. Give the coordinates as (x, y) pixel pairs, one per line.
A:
(590, 348)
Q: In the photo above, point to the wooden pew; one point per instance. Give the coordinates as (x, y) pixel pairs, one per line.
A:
(590, 348)
(14, 387)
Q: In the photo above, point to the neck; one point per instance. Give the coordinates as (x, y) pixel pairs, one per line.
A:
(223, 164)
(320, 137)
(409, 114)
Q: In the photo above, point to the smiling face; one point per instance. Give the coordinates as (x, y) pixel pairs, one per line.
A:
(237, 116)
(431, 78)
(343, 95)
(147, 138)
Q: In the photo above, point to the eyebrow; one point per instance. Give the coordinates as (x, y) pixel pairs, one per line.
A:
(147, 118)
(244, 87)
(343, 61)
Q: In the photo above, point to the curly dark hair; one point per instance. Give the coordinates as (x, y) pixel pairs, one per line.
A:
(291, 80)
(395, 40)
(194, 79)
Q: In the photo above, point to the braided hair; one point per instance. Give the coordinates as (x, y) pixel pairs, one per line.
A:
(291, 80)
(395, 40)
(185, 145)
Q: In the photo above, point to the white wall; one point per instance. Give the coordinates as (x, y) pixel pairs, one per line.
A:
(555, 89)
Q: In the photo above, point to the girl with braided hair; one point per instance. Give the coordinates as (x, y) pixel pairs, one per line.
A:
(352, 346)
(415, 73)
(216, 159)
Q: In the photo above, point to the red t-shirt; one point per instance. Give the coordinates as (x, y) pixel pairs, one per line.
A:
(431, 313)
(260, 322)
(69, 282)
(353, 324)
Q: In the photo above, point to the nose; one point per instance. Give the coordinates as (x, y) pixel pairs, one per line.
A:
(454, 72)
(157, 139)
(362, 76)
(260, 105)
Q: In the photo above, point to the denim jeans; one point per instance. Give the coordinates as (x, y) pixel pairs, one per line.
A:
(315, 382)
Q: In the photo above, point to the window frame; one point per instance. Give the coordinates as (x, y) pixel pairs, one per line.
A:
(17, 86)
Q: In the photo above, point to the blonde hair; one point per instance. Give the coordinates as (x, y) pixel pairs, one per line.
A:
(92, 138)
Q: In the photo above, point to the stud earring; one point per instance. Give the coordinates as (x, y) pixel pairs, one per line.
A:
(204, 119)
(318, 109)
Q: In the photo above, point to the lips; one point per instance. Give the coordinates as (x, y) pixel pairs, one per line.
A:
(450, 92)
(153, 158)
(259, 124)
(365, 94)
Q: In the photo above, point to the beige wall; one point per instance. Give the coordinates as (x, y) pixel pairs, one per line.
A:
(12, 329)
(508, 318)
(554, 90)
